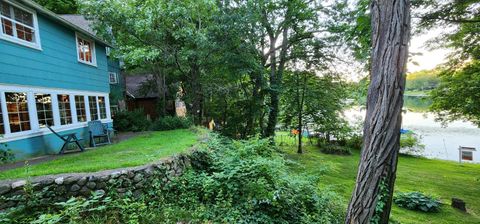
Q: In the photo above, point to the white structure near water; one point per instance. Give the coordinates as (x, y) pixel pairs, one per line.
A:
(440, 142)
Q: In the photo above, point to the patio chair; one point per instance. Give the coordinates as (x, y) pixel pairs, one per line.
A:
(98, 131)
(67, 139)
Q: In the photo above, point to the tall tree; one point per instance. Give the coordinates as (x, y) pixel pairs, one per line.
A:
(316, 101)
(208, 48)
(60, 6)
(289, 30)
(372, 197)
(458, 95)
(169, 36)
(460, 23)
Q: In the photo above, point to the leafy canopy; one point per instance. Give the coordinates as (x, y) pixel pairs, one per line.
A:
(458, 95)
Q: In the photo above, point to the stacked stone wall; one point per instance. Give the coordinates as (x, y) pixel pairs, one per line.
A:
(58, 188)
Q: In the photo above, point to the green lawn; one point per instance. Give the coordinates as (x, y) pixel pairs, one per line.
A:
(136, 151)
(417, 92)
(440, 178)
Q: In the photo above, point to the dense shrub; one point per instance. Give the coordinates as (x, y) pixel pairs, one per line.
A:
(248, 182)
(6, 154)
(417, 201)
(171, 123)
(335, 149)
(131, 121)
(410, 143)
(229, 182)
(355, 142)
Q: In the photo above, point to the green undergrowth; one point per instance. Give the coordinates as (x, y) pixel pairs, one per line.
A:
(229, 182)
(442, 179)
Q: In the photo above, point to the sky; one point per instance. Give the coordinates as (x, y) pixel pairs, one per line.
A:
(429, 58)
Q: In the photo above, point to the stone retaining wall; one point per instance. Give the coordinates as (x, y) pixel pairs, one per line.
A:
(57, 188)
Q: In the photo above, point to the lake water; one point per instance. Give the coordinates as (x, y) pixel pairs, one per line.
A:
(440, 142)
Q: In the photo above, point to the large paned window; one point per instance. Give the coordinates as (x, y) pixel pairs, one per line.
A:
(44, 109)
(65, 110)
(25, 112)
(80, 105)
(103, 109)
(17, 107)
(92, 102)
(2, 126)
(86, 51)
(17, 24)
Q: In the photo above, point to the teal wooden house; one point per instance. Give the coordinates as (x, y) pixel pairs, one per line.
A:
(52, 72)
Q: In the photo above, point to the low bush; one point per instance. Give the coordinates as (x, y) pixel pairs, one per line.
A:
(417, 201)
(171, 123)
(335, 149)
(410, 143)
(248, 182)
(131, 121)
(355, 142)
(229, 182)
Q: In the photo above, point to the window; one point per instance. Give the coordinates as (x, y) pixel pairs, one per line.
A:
(17, 109)
(80, 105)
(18, 24)
(101, 105)
(2, 126)
(44, 109)
(113, 78)
(467, 155)
(92, 102)
(64, 108)
(86, 51)
(107, 51)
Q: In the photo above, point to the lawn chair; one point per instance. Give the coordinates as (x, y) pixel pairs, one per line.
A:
(67, 139)
(97, 130)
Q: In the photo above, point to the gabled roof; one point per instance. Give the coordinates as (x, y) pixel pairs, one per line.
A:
(80, 21)
(40, 9)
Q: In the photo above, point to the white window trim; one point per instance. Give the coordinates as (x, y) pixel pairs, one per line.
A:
(37, 45)
(96, 105)
(94, 51)
(107, 51)
(87, 107)
(84, 107)
(73, 108)
(98, 109)
(36, 130)
(115, 75)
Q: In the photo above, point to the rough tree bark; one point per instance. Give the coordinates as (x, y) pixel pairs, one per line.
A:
(390, 37)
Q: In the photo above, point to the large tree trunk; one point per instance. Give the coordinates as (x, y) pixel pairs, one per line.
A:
(273, 92)
(390, 37)
(276, 76)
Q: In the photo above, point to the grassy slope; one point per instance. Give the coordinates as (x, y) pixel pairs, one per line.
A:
(132, 152)
(440, 178)
(417, 92)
